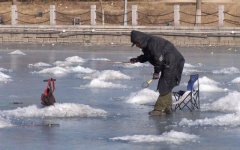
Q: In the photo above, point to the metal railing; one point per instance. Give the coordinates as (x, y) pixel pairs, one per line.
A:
(139, 17)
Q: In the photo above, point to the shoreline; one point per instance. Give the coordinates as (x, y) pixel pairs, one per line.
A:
(118, 35)
(11, 46)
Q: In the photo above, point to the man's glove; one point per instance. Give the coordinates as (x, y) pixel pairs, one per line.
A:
(155, 76)
(133, 60)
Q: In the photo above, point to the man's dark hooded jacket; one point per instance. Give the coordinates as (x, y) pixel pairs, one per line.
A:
(165, 58)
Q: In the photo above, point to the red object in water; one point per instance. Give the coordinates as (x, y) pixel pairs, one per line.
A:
(47, 98)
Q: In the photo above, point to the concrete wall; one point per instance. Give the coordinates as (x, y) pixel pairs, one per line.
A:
(181, 36)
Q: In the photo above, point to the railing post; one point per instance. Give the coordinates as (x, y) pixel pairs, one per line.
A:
(93, 15)
(198, 17)
(103, 18)
(176, 15)
(198, 13)
(14, 15)
(125, 13)
(52, 15)
(221, 15)
(134, 15)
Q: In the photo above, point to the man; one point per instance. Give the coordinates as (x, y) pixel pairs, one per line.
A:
(166, 59)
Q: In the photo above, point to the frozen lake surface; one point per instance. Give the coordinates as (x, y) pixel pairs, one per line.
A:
(101, 104)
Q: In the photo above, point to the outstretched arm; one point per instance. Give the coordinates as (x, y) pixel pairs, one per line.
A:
(141, 59)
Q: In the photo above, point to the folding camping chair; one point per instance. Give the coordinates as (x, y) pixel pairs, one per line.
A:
(190, 97)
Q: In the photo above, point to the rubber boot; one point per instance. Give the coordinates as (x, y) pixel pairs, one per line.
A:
(162, 106)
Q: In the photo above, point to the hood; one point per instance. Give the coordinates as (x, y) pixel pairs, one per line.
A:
(139, 37)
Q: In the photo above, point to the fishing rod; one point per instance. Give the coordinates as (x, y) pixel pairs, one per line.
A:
(147, 83)
(119, 62)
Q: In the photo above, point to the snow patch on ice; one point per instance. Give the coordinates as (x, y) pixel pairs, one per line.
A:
(189, 68)
(129, 65)
(62, 68)
(100, 59)
(230, 70)
(39, 65)
(102, 79)
(208, 85)
(112, 75)
(17, 52)
(70, 61)
(75, 59)
(4, 78)
(236, 80)
(4, 123)
(228, 103)
(80, 69)
(56, 71)
(172, 137)
(143, 97)
(231, 120)
(96, 83)
(58, 110)
(5, 70)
